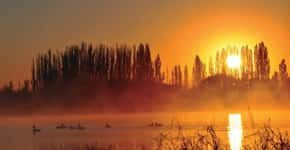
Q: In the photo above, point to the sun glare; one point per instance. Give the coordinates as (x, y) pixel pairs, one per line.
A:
(235, 131)
(233, 61)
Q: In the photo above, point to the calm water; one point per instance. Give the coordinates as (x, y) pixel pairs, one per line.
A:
(127, 129)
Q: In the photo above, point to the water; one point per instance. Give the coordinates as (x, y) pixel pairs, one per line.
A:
(127, 129)
(235, 131)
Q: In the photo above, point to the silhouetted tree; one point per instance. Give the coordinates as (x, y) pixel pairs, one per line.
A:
(157, 65)
(223, 61)
(250, 67)
(210, 67)
(198, 71)
(217, 63)
(173, 80)
(33, 77)
(179, 75)
(24, 90)
(185, 76)
(140, 63)
(246, 63)
(283, 70)
(167, 76)
(275, 76)
(176, 75)
(262, 62)
(148, 64)
(134, 63)
(9, 88)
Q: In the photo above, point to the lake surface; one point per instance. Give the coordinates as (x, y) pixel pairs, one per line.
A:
(129, 131)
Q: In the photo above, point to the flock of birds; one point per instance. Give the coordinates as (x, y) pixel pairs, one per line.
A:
(63, 126)
(80, 127)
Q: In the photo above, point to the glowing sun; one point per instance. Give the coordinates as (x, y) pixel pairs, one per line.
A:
(233, 61)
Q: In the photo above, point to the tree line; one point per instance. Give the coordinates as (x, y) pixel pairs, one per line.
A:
(100, 63)
(255, 65)
(125, 77)
(135, 63)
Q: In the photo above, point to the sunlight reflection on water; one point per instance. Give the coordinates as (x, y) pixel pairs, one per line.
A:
(235, 131)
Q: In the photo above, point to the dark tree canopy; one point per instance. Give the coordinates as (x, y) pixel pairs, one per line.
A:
(121, 63)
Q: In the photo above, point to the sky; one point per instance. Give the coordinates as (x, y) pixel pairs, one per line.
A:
(177, 30)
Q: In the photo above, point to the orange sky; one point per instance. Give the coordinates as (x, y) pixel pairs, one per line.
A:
(177, 30)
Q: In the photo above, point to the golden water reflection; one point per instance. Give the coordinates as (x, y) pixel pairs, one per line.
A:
(235, 131)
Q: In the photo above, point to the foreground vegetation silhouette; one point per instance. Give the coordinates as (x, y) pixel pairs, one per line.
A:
(264, 138)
